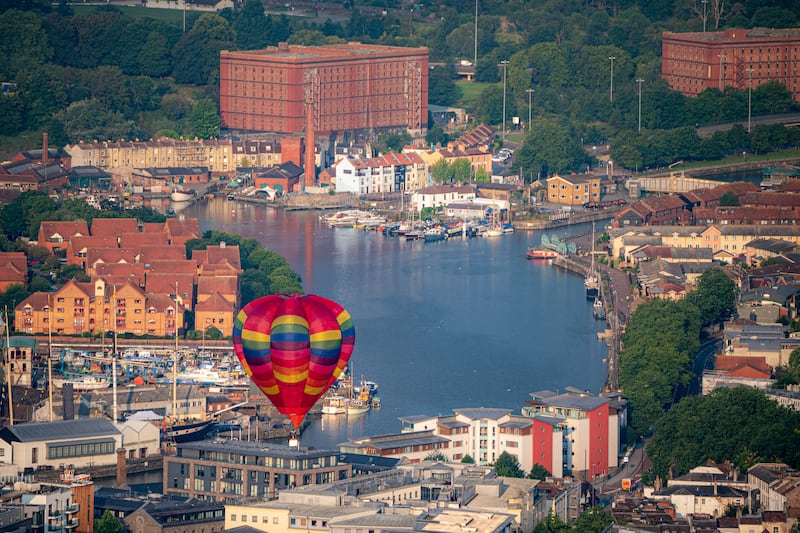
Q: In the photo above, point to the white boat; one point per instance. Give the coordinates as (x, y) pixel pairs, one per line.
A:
(83, 384)
(182, 195)
(598, 309)
(357, 407)
(493, 231)
(591, 282)
(335, 404)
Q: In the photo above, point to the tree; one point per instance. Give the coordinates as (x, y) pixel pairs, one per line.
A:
(108, 523)
(551, 146)
(506, 465)
(593, 520)
(539, 472)
(462, 170)
(551, 524)
(442, 89)
(715, 296)
(252, 26)
(154, 59)
(441, 172)
(436, 456)
(196, 54)
(467, 459)
(739, 424)
(728, 198)
(205, 120)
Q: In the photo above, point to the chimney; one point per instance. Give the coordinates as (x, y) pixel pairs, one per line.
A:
(122, 472)
(68, 400)
(45, 149)
(309, 168)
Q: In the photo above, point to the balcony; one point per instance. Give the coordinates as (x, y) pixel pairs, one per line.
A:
(72, 509)
(71, 524)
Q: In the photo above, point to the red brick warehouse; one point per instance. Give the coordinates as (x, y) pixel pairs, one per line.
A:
(345, 87)
(694, 62)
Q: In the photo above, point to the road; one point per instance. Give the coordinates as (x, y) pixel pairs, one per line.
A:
(788, 119)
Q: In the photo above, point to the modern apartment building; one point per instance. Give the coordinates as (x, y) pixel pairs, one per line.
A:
(231, 470)
(740, 58)
(347, 87)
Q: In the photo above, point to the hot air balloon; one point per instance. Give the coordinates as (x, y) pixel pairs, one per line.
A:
(293, 347)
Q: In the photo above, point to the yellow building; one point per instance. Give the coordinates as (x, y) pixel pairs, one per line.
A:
(220, 156)
(95, 307)
(574, 189)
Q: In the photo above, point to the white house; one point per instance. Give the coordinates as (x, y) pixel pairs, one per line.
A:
(387, 173)
(140, 438)
(439, 196)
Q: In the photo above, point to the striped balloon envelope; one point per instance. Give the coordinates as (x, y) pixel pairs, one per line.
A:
(293, 347)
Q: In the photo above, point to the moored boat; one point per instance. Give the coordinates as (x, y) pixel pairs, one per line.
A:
(540, 253)
(598, 309)
(182, 195)
(83, 384)
(357, 407)
(334, 404)
(188, 431)
(436, 233)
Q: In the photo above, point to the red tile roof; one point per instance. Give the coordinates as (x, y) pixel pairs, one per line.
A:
(114, 226)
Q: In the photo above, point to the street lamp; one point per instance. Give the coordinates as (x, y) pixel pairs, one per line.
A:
(611, 90)
(640, 81)
(705, 16)
(530, 94)
(475, 61)
(505, 65)
(749, 99)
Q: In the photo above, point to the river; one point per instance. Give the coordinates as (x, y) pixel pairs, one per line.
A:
(452, 324)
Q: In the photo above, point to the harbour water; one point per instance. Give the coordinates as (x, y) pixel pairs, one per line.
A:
(439, 326)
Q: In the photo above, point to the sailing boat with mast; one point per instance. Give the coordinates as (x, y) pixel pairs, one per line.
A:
(591, 282)
(177, 430)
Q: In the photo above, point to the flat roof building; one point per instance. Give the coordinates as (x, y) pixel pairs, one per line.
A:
(740, 58)
(349, 87)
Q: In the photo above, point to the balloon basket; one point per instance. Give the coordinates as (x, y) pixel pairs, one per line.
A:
(294, 441)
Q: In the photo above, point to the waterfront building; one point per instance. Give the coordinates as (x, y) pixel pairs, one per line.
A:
(82, 442)
(440, 196)
(384, 174)
(346, 87)
(573, 189)
(229, 470)
(27, 175)
(739, 58)
(731, 239)
(591, 429)
(91, 307)
(219, 156)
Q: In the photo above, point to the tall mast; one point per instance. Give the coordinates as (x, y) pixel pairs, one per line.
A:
(8, 373)
(50, 355)
(175, 361)
(114, 355)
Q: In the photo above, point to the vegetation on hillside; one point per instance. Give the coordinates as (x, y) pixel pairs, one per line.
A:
(105, 74)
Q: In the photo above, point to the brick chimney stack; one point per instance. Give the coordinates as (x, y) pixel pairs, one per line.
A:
(45, 148)
(309, 168)
(122, 471)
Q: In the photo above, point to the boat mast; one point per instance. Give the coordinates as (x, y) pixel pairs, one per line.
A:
(114, 356)
(50, 355)
(8, 374)
(175, 361)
